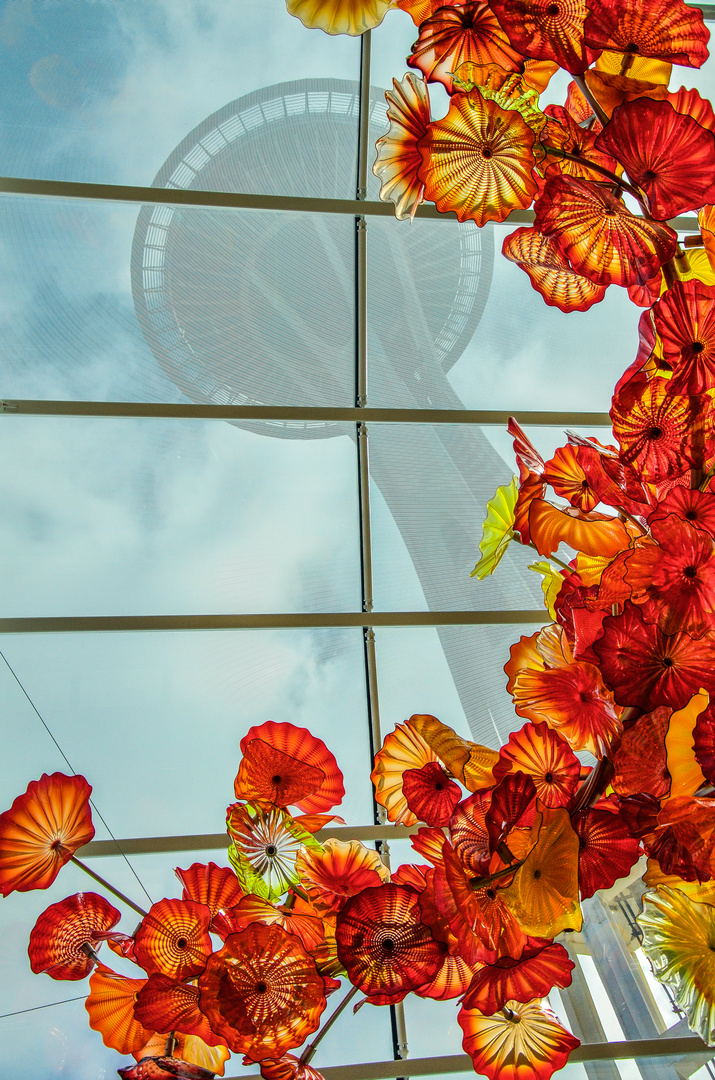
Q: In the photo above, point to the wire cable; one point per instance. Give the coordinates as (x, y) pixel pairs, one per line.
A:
(69, 766)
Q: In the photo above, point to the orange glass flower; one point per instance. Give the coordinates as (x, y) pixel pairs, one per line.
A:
(669, 155)
(305, 924)
(165, 1005)
(261, 992)
(42, 830)
(110, 1004)
(466, 33)
(685, 322)
(206, 883)
(541, 966)
(566, 475)
(665, 29)
(398, 159)
(340, 870)
(550, 273)
(173, 939)
(660, 432)
(545, 30)
(543, 755)
(402, 749)
(478, 160)
(598, 235)
(645, 667)
(565, 133)
(593, 534)
(544, 893)
(57, 937)
(352, 17)
(468, 762)
(384, 946)
(301, 767)
(524, 1042)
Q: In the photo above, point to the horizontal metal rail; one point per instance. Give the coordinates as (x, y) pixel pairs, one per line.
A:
(72, 189)
(157, 845)
(63, 624)
(434, 1066)
(306, 414)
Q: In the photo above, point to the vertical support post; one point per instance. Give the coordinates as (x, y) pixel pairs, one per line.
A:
(397, 1016)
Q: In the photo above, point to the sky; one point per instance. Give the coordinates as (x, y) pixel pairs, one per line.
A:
(160, 517)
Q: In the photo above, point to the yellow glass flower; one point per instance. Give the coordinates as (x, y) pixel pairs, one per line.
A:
(679, 941)
(352, 17)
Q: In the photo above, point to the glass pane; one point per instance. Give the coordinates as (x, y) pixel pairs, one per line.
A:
(154, 720)
(453, 672)
(480, 336)
(234, 307)
(435, 483)
(105, 92)
(119, 516)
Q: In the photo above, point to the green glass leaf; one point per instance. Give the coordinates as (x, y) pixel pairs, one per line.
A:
(265, 845)
(498, 529)
(551, 582)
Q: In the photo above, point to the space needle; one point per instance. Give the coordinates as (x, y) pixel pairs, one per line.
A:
(194, 269)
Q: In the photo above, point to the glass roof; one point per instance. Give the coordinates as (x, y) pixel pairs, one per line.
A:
(106, 516)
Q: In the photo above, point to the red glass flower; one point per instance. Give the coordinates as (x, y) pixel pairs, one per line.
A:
(639, 762)
(206, 883)
(606, 852)
(338, 871)
(42, 830)
(546, 30)
(666, 29)
(660, 432)
(383, 944)
(165, 1005)
(58, 936)
(645, 667)
(430, 794)
(669, 155)
(290, 765)
(398, 159)
(685, 322)
(541, 966)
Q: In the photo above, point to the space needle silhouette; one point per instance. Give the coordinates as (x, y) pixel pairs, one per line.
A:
(258, 308)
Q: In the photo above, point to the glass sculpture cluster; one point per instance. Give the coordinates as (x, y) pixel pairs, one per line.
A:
(509, 842)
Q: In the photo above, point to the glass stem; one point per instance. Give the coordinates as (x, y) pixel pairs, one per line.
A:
(106, 885)
(597, 110)
(307, 1054)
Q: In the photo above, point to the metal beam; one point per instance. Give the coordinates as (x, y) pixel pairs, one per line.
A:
(185, 411)
(434, 1066)
(93, 624)
(71, 189)
(156, 845)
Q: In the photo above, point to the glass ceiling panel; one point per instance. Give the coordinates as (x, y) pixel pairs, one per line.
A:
(453, 672)
(172, 709)
(124, 516)
(105, 92)
(479, 336)
(57, 1042)
(103, 302)
(435, 483)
